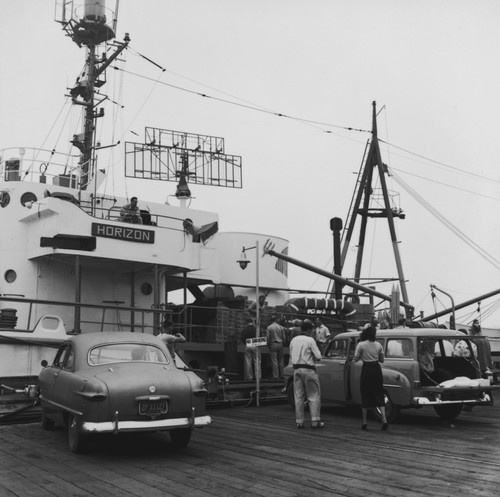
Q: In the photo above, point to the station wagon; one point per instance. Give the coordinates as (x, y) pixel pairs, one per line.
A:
(462, 371)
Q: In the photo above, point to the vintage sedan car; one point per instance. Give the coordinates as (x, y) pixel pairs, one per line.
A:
(462, 371)
(113, 382)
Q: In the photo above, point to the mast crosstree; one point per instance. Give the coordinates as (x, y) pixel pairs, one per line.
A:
(362, 208)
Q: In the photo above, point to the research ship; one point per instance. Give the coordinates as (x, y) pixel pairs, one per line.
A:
(72, 261)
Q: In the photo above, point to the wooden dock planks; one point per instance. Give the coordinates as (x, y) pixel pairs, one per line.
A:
(257, 451)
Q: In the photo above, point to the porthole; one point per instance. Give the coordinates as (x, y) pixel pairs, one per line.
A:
(10, 276)
(146, 289)
(27, 199)
(4, 199)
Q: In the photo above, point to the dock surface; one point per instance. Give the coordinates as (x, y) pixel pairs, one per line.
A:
(257, 451)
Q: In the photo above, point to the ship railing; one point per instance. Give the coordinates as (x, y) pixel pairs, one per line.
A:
(111, 212)
(219, 326)
(215, 324)
(39, 166)
(80, 317)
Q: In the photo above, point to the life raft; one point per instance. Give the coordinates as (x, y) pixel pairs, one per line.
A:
(320, 304)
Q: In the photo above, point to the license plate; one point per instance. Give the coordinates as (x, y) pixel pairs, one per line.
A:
(153, 407)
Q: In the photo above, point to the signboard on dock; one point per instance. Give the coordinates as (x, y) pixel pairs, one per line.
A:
(256, 342)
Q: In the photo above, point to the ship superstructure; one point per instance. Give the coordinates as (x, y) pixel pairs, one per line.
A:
(71, 261)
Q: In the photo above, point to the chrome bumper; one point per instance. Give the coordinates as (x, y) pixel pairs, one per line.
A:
(424, 401)
(152, 425)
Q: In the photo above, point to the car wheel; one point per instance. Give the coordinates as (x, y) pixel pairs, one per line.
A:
(180, 437)
(448, 412)
(47, 423)
(290, 394)
(76, 440)
(392, 411)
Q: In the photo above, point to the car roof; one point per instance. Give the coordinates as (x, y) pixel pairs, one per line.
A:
(97, 338)
(408, 333)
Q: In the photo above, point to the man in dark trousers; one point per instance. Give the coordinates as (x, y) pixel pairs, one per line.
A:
(251, 353)
(275, 334)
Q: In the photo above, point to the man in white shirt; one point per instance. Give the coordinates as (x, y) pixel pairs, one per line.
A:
(304, 354)
(321, 334)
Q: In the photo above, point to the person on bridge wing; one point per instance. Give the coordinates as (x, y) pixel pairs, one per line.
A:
(130, 213)
(304, 354)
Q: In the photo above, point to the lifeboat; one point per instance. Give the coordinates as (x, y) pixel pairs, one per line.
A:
(305, 303)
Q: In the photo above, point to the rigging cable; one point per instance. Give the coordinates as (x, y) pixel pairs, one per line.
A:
(48, 134)
(442, 163)
(454, 229)
(252, 104)
(117, 117)
(248, 106)
(447, 185)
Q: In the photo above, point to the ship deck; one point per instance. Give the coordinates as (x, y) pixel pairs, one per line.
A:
(257, 451)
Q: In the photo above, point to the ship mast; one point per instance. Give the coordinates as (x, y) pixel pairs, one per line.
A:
(86, 24)
(362, 208)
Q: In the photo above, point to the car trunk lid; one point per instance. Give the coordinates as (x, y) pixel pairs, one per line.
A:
(136, 385)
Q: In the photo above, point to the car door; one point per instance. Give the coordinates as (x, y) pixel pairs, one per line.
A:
(332, 371)
(55, 377)
(48, 379)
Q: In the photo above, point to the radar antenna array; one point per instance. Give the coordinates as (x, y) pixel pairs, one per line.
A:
(168, 155)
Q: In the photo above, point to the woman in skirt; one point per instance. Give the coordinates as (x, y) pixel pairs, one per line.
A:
(372, 390)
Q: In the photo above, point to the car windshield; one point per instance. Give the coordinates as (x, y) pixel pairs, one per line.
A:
(126, 352)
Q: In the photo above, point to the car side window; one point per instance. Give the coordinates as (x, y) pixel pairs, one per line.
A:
(69, 359)
(399, 347)
(443, 348)
(337, 348)
(60, 356)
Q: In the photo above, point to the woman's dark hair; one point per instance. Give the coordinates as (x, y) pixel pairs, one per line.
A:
(306, 326)
(368, 333)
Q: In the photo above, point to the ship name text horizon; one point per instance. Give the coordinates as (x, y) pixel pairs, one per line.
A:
(123, 233)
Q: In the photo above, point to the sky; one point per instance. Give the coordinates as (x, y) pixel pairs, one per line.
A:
(286, 80)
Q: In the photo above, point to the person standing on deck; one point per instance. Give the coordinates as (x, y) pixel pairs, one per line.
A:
(475, 329)
(275, 334)
(251, 353)
(483, 355)
(304, 354)
(372, 388)
(321, 334)
(169, 338)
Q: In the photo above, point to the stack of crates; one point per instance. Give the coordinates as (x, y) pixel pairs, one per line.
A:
(229, 323)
